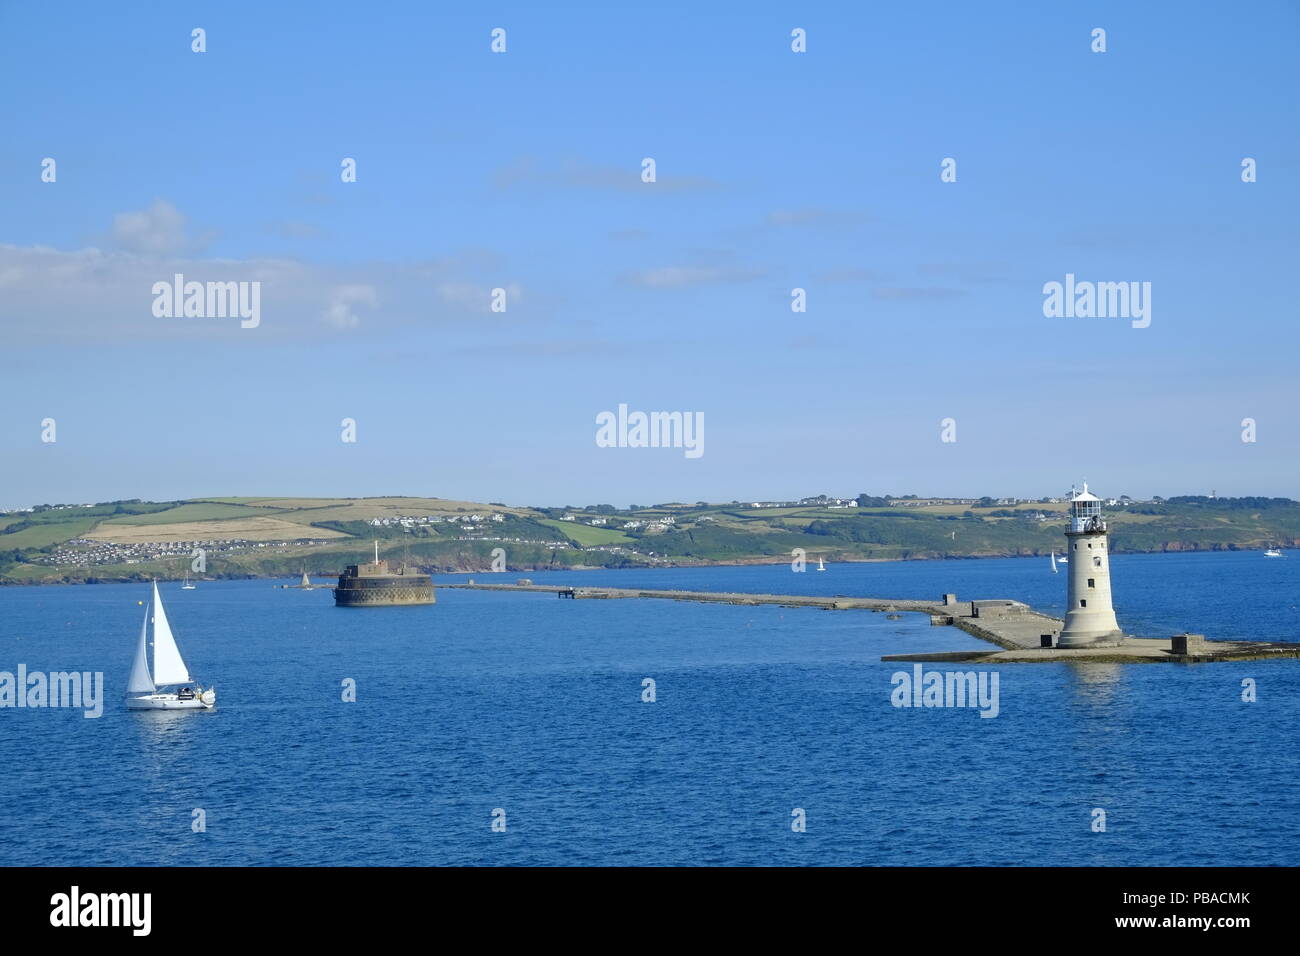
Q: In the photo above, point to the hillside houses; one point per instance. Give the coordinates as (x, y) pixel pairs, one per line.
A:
(86, 552)
(408, 522)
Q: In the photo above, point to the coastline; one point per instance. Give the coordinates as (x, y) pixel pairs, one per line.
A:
(753, 561)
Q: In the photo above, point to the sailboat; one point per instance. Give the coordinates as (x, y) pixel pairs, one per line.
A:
(145, 690)
(821, 564)
(1054, 568)
(187, 586)
(306, 583)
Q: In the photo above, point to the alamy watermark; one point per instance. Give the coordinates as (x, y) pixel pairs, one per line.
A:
(1101, 300)
(946, 689)
(179, 299)
(38, 689)
(651, 430)
(76, 908)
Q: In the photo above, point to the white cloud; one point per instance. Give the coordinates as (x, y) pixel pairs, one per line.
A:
(97, 295)
(341, 312)
(158, 230)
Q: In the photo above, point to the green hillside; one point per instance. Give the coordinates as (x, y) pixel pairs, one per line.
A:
(257, 537)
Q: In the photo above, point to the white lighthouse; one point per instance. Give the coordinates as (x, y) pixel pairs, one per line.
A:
(1089, 618)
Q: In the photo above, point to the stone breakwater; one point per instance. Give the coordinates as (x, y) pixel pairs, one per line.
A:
(1022, 634)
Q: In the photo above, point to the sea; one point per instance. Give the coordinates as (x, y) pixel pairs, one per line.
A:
(519, 729)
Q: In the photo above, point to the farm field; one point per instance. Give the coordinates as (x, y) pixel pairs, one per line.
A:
(184, 514)
(252, 529)
(44, 535)
(307, 510)
(585, 534)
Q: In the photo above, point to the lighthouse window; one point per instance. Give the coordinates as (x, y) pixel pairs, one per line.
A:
(1092, 582)
(1083, 603)
(1096, 561)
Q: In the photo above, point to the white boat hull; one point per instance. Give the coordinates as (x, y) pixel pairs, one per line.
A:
(205, 701)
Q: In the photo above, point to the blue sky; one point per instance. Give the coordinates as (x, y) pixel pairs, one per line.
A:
(521, 171)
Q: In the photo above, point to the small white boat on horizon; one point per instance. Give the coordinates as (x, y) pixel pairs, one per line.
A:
(1272, 553)
(821, 564)
(145, 689)
(187, 586)
(1054, 568)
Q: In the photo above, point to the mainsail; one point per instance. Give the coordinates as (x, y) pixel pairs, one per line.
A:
(168, 667)
(140, 681)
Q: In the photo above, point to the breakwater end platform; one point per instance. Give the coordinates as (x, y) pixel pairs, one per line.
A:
(1022, 634)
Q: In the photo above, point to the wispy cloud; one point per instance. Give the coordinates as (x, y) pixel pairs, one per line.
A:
(291, 229)
(529, 172)
(904, 294)
(815, 216)
(851, 274)
(670, 277)
(344, 302)
(970, 272)
(157, 230)
(476, 297)
(94, 295)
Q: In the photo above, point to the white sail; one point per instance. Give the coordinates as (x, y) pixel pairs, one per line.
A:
(168, 667)
(140, 681)
(1054, 571)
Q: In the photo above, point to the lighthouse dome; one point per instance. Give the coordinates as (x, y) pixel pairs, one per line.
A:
(1084, 495)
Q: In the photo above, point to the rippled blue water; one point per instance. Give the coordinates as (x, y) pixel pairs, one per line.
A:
(532, 704)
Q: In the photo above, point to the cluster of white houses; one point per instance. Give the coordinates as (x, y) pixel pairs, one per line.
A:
(649, 526)
(912, 501)
(85, 552)
(415, 521)
(820, 500)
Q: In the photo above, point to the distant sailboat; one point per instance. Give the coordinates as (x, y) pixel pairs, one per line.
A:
(1054, 568)
(303, 585)
(187, 586)
(144, 689)
(821, 564)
